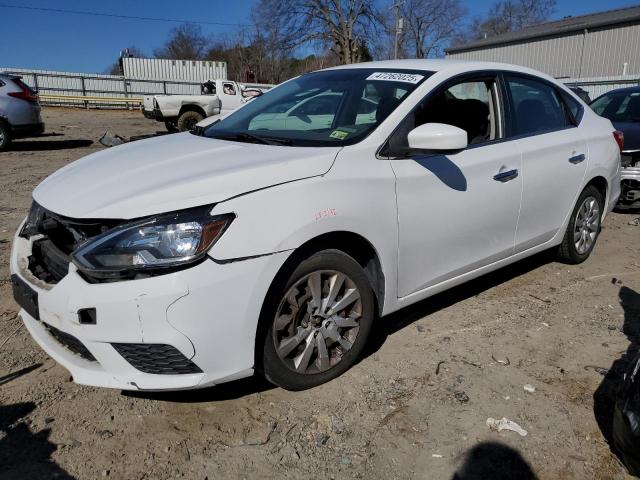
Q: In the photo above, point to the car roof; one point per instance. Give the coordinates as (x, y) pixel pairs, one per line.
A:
(441, 65)
(633, 89)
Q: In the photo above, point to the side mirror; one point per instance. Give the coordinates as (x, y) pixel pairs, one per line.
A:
(437, 136)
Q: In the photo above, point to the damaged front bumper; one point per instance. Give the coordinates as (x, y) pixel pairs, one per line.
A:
(188, 329)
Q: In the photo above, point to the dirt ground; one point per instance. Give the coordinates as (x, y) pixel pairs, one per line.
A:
(415, 407)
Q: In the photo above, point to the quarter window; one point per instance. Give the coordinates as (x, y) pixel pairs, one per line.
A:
(573, 106)
(537, 107)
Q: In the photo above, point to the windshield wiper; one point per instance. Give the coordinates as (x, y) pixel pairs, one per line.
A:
(251, 138)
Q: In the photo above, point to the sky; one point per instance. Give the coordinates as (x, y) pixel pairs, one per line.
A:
(79, 43)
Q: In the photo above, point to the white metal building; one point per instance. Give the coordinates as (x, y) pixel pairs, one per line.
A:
(176, 70)
(603, 44)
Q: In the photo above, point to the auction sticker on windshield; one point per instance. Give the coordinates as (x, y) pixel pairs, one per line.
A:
(396, 77)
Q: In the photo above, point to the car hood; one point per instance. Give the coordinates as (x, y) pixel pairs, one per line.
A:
(173, 172)
(631, 132)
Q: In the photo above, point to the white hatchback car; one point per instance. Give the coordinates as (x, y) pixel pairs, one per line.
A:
(193, 259)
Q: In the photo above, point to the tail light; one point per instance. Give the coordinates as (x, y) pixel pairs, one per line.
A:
(619, 137)
(25, 92)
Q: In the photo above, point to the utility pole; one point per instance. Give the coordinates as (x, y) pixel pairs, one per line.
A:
(398, 27)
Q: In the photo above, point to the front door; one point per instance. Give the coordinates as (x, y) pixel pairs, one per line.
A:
(457, 211)
(229, 96)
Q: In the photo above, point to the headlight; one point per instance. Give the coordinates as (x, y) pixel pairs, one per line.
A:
(32, 223)
(164, 241)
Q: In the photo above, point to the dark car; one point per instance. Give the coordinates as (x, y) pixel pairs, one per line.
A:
(622, 107)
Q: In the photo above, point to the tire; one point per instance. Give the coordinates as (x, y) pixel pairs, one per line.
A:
(187, 121)
(584, 227)
(171, 127)
(290, 331)
(5, 136)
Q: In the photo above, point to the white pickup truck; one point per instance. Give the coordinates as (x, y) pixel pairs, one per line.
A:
(182, 112)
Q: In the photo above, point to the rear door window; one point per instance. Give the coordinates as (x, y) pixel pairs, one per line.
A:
(536, 107)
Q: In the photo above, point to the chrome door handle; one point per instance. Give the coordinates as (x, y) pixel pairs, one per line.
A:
(577, 159)
(506, 176)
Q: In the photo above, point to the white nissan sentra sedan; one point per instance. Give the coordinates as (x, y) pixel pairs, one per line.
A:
(271, 243)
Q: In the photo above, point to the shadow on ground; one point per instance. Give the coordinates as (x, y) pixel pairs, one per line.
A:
(495, 461)
(224, 391)
(18, 373)
(24, 454)
(604, 397)
(42, 145)
(408, 315)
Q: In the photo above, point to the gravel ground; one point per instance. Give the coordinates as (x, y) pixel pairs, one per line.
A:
(415, 407)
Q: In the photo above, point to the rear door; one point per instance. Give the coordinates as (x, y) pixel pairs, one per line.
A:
(554, 157)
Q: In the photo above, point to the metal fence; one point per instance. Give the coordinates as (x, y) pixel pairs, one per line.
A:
(597, 86)
(106, 91)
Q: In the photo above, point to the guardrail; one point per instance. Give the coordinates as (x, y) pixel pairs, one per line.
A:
(86, 100)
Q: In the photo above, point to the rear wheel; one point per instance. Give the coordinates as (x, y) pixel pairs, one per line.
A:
(318, 323)
(5, 136)
(187, 121)
(584, 227)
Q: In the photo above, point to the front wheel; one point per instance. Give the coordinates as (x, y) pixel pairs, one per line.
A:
(318, 323)
(584, 227)
(5, 136)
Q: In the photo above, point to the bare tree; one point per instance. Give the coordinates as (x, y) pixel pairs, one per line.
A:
(185, 42)
(507, 16)
(430, 24)
(272, 40)
(343, 26)
(115, 68)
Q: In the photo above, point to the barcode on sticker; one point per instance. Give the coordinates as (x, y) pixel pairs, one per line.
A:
(396, 77)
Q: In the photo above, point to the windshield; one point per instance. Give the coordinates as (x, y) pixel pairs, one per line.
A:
(328, 108)
(618, 107)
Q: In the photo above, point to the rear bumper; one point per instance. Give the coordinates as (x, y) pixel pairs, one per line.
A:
(154, 114)
(630, 173)
(30, 130)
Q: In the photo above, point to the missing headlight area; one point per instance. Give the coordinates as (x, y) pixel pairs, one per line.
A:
(58, 237)
(106, 250)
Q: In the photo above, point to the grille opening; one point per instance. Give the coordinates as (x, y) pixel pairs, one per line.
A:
(50, 256)
(47, 262)
(70, 342)
(156, 358)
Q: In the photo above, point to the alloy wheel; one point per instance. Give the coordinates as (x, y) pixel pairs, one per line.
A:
(586, 225)
(317, 321)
